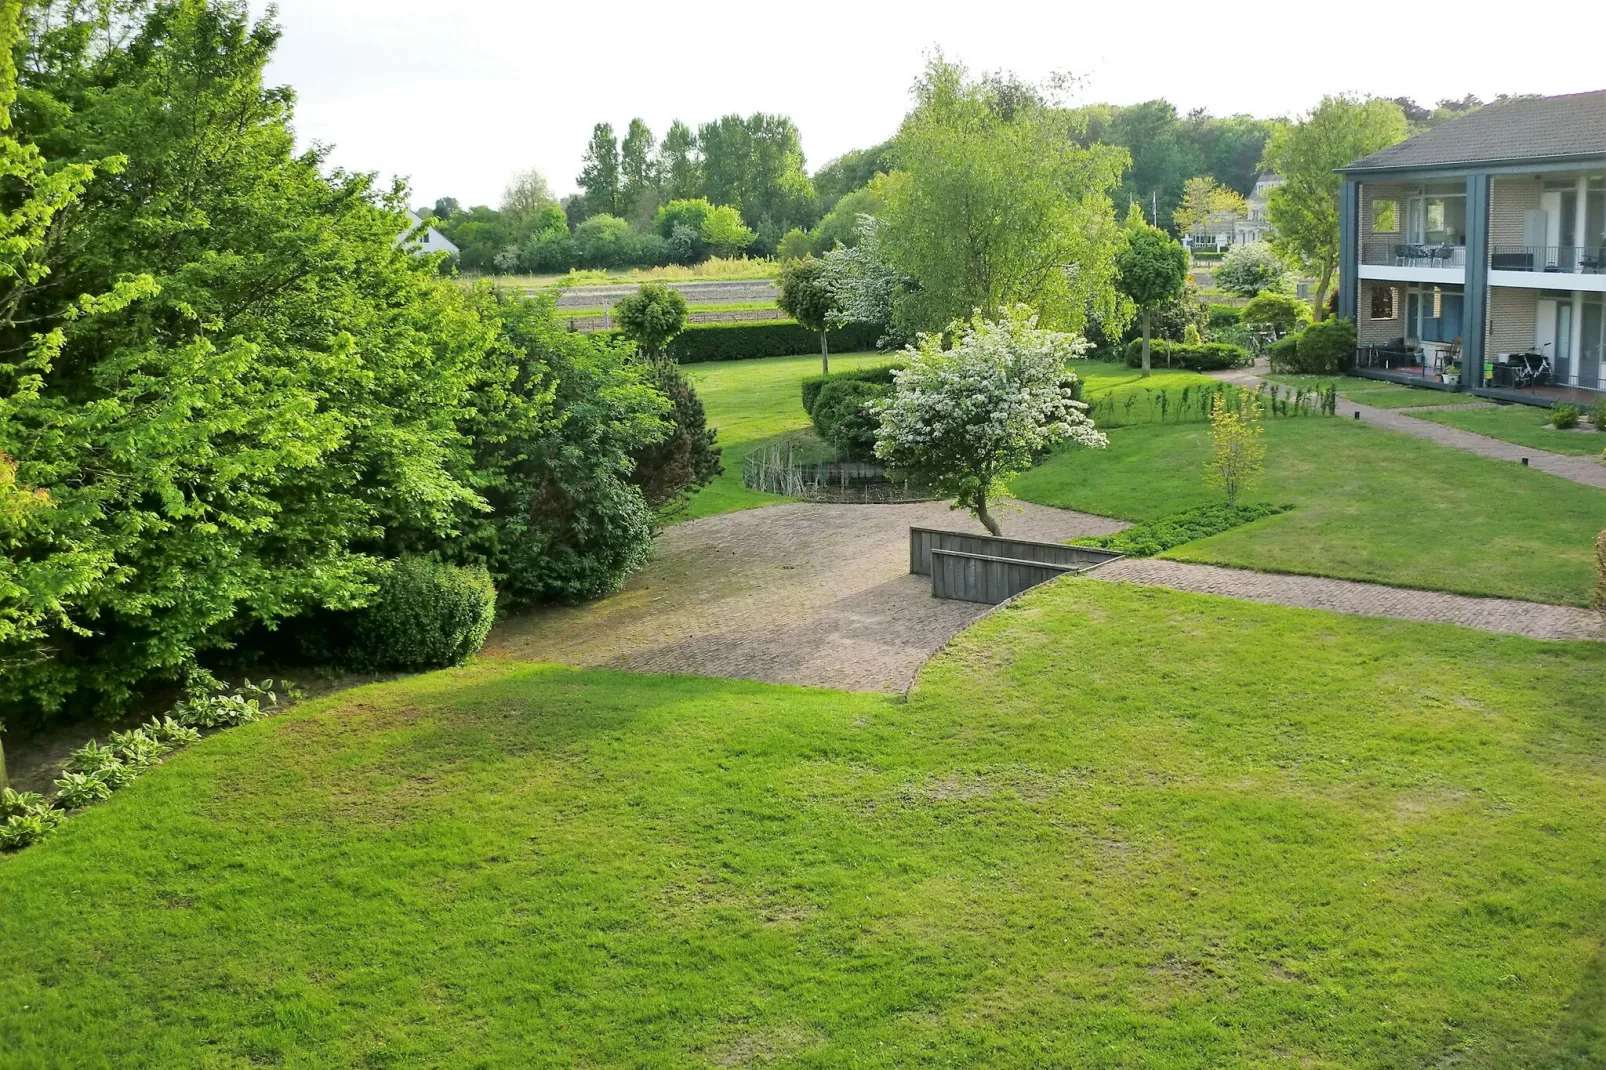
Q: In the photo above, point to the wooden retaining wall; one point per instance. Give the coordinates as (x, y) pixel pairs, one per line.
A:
(922, 541)
(991, 580)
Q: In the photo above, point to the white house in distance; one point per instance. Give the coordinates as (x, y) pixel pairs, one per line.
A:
(1221, 230)
(1257, 227)
(431, 241)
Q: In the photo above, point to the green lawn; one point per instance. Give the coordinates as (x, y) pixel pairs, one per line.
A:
(1525, 425)
(1374, 392)
(1113, 827)
(750, 402)
(1370, 504)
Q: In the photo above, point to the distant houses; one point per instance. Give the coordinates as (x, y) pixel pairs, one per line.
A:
(430, 241)
(1221, 230)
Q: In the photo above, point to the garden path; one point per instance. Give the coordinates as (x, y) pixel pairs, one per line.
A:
(1504, 615)
(820, 595)
(1585, 470)
(817, 595)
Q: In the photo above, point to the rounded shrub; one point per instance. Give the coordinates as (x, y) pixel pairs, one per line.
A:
(1324, 348)
(426, 615)
(1563, 417)
(842, 415)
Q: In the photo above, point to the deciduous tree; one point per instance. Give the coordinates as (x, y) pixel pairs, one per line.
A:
(1248, 269)
(1203, 198)
(1237, 446)
(599, 172)
(806, 297)
(526, 195)
(651, 316)
(1152, 269)
(993, 202)
(1304, 210)
(968, 418)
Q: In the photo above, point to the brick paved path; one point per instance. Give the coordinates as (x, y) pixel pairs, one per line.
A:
(1532, 619)
(817, 595)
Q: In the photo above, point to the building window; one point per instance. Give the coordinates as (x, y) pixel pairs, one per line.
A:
(1385, 299)
(1385, 217)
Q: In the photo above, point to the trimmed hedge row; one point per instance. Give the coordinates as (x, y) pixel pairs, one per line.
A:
(1194, 356)
(706, 342)
(1324, 348)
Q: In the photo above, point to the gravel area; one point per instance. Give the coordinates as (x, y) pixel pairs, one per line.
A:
(1507, 616)
(817, 595)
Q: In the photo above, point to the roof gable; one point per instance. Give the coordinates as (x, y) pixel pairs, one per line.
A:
(1518, 128)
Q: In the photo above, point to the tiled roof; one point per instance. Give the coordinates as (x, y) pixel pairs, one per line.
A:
(1520, 128)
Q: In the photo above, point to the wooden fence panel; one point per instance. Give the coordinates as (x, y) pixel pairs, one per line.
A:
(922, 541)
(990, 580)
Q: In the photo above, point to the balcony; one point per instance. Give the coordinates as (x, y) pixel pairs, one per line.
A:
(1566, 259)
(1441, 262)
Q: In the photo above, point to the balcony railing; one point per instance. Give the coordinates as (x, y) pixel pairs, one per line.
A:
(1571, 259)
(1413, 254)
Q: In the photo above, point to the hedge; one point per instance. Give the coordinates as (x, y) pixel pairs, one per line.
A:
(880, 374)
(744, 341)
(1197, 356)
(1225, 315)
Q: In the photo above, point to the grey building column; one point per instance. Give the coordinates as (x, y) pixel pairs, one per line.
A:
(1475, 302)
(1349, 248)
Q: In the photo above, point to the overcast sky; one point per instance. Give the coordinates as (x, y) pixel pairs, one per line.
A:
(459, 96)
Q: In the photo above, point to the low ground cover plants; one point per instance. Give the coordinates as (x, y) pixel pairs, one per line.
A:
(1150, 537)
(1193, 402)
(1195, 356)
(95, 771)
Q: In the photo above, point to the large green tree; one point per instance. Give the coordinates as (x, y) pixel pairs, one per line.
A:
(262, 399)
(679, 165)
(1304, 210)
(993, 202)
(599, 172)
(638, 173)
(756, 165)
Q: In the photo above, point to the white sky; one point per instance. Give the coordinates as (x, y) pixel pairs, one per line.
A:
(459, 96)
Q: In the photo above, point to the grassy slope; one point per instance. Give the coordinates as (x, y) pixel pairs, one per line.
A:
(1525, 425)
(1113, 827)
(1371, 504)
(750, 401)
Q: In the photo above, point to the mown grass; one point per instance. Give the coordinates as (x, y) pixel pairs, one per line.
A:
(751, 402)
(1114, 827)
(1370, 504)
(1373, 392)
(1523, 425)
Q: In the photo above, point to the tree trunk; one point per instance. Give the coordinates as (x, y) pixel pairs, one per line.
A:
(1319, 306)
(1145, 343)
(985, 517)
(825, 355)
(4, 782)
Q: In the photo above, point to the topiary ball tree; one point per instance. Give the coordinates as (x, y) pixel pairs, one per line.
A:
(806, 297)
(1152, 270)
(651, 316)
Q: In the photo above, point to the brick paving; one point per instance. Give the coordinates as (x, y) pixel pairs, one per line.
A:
(1506, 616)
(817, 595)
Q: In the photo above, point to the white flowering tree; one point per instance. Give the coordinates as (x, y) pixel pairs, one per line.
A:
(965, 420)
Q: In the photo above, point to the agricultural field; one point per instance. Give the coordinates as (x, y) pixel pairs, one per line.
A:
(1369, 504)
(1112, 826)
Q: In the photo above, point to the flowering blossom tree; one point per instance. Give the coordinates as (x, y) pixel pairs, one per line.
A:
(966, 419)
